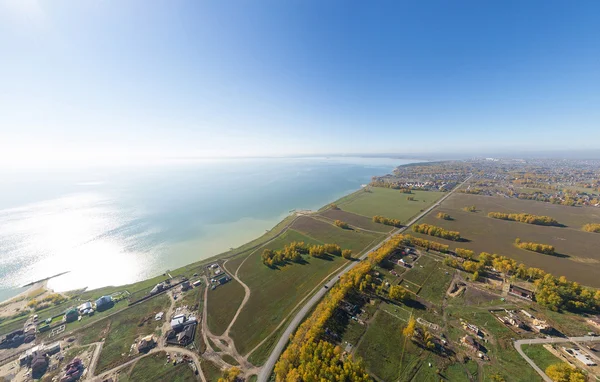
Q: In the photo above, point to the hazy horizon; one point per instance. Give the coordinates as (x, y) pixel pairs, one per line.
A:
(88, 83)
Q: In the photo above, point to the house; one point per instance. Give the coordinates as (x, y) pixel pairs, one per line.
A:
(52, 348)
(85, 307)
(159, 316)
(104, 302)
(197, 283)
(158, 288)
(146, 344)
(470, 343)
(71, 315)
(177, 321)
(185, 286)
(521, 292)
(187, 335)
(39, 363)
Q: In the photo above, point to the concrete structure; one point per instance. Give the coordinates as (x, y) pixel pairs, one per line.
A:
(581, 357)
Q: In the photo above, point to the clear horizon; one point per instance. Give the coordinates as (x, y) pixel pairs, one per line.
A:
(91, 83)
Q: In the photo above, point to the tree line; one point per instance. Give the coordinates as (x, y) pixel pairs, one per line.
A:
(432, 230)
(525, 218)
(387, 221)
(427, 244)
(294, 251)
(545, 249)
(394, 186)
(296, 356)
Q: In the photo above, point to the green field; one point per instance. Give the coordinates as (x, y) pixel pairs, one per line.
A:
(275, 292)
(358, 221)
(422, 270)
(154, 367)
(329, 233)
(540, 355)
(388, 202)
(579, 260)
(122, 329)
(434, 289)
(383, 349)
(223, 302)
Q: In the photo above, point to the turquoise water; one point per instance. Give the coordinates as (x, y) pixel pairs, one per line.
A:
(117, 226)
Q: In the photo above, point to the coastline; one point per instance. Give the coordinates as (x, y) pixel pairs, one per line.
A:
(221, 238)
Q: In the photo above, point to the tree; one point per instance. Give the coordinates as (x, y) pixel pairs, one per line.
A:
(347, 254)
(231, 375)
(563, 372)
(341, 224)
(409, 329)
(475, 276)
(398, 293)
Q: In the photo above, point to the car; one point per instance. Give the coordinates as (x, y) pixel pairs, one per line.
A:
(325, 286)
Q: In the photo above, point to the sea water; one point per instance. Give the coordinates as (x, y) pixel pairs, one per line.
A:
(117, 226)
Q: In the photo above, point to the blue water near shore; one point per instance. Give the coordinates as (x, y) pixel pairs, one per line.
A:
(117, 226)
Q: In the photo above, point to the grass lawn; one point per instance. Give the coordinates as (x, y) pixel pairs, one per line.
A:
(328, 233)
(275, 292)
(210, 370)
(422, 270)
(389, 203)
(382, 349)
(154, 367)
(434, 289)
(540, 355)
(359, 221)
(123, 329)
(261, 354)
(223, 302)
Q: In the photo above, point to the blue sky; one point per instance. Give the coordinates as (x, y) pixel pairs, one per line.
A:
(117, 80)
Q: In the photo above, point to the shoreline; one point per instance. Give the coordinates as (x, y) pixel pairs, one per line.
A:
(218, 255)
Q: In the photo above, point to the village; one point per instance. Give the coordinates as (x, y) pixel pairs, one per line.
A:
(48, 343)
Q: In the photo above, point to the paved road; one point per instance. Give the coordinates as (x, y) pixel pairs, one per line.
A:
(267, 368)
(553, 340)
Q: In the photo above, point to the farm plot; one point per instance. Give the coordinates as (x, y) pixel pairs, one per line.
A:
(355, 220)
(389, 203)
(275, 292)
(328, 233)
(434, 289)
(422, 270)
(223, 302)
(578, 259)
(155, 368)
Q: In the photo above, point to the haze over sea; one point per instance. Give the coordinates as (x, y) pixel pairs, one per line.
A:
(117, 226)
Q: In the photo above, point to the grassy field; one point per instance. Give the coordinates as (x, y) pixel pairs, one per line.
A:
(540, 355)
(328, 233)
(275, 292)
(355, 220)
(435, 287)
(210, 370)
(383, 349)
(223, 302)
(154, 367)
(581, 261)
(387, 202)
(122, 329)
